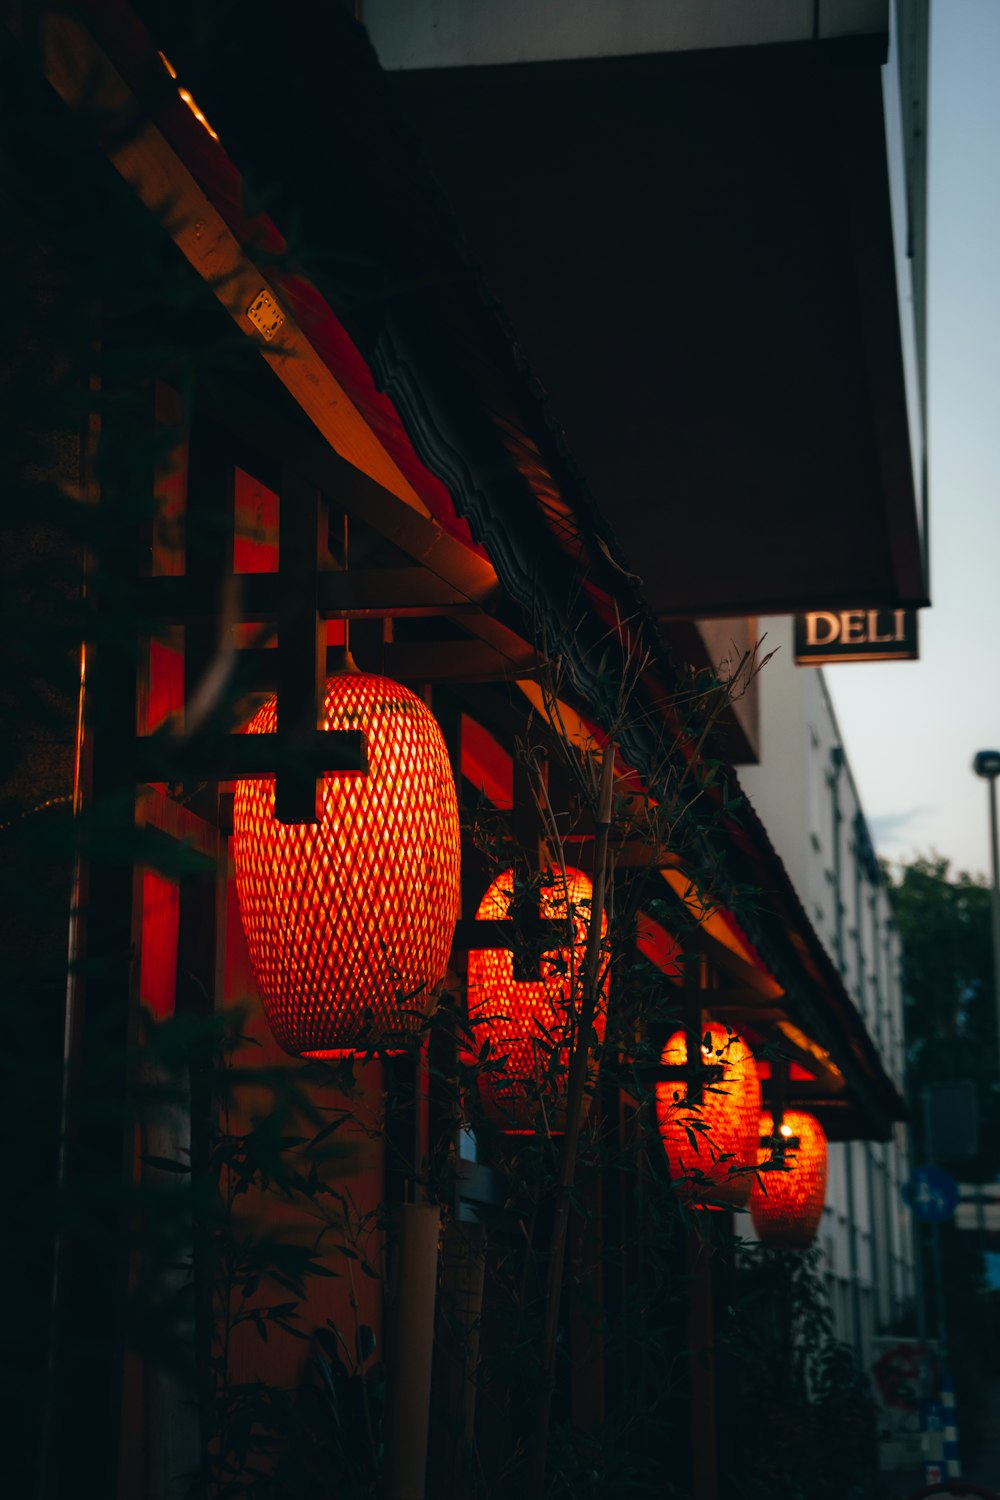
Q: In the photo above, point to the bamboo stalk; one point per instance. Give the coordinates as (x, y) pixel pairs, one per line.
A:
(578, 1068)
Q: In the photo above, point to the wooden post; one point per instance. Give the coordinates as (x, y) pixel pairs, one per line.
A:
(301, 650)
(456, 1361)
(701, 1368)
(209, 525)
(587, 1306)
(171, 1429)
(700, 1324)
(779, 1093)
(408, 1392)
(693, 1000)
(82, 1421)
(529, 837)
(526, 821)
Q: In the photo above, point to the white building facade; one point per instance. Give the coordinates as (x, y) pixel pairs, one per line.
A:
(805, 794)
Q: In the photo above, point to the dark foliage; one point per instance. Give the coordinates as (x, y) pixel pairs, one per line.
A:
(803, 1421)
(951, 1033)
(951, 1023)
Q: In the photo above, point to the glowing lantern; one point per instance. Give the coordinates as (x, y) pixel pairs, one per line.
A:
(532, 1022)
(786, 1207)
(705, 1142)
(349, 921)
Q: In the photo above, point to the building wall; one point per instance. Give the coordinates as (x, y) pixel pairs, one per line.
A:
(463, 33)
(805, 794)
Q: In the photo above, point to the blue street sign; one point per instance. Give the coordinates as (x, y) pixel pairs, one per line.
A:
(932, 1194)
(932, 1416)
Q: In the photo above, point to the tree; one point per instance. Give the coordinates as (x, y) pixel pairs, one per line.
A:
(951, 1024)
(951, 1033)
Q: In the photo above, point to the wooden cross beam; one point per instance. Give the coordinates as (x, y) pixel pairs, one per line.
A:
(529, 937)
(396, 593)
(229, 757)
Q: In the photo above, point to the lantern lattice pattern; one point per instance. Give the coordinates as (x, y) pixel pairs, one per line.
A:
(786, 1207)
(349, 921)
(532, 1022)
(706, 1142)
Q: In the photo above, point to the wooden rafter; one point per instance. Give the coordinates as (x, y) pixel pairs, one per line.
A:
(83, 75)
(385, 593)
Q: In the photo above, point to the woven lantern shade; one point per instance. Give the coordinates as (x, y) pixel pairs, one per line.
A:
(527, 1020)
(704, 1142)
(349, 921)
(786, 1207)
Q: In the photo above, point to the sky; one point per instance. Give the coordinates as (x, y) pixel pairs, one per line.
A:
(912, 728)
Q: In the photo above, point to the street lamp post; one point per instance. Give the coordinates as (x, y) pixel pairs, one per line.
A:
(987, 765)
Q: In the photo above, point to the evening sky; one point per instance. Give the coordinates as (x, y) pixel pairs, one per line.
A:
(912, 728)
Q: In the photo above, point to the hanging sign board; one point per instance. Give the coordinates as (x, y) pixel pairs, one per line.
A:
(825, 636)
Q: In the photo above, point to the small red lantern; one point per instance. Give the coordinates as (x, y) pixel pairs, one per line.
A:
(349, 921)
(786, 1207)
(705, 1142)
(532, 1022)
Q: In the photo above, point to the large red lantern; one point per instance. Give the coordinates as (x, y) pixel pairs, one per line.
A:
(786, 1207)
(705, 1142)
(532, 1022)
(349, 921)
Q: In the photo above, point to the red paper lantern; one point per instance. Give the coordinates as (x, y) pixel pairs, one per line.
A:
(349, 921)
(532, 1022)
(786, 1207)
(705, 1142)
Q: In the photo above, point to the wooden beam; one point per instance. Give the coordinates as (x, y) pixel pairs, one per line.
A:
(394, 593)
(629, 854)
(695, 939)
(829, 1080)
(474, 933)
(404, 661)
(387, 593)
(452, 661)
(455, 564)
(83, 75)
(178, 823)
(743, 1006)
(844, 1119)
(169, 758)
(802, 1091)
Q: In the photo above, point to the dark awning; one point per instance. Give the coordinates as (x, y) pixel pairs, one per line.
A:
(696, 253)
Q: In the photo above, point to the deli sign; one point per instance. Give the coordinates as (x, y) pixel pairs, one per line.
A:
(828, 635)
